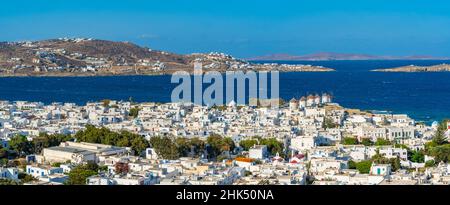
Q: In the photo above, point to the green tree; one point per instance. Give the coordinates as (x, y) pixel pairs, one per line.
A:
(349, 141)
(105, 136)
(3, 162)
(328, 123)
(45, 140)
(429, 163)
(3, 152)
(219, 144)
(134, 112)
(380, 159)
(175, 147)
(439, 136)
(366, 142)
(79, 174)
(247, 144)
(441, 153)
(165, 147)
(122, 142)
(198, 145)
(364, 166)
(417, 156)
(273, 145)
(139, 144)
(20, 145)
(401, 146)
(395, 163)
(215, 144)
(103, 168)
(351, 164)
(25, 178)
(95, 135)
(228, 144)
(382, 142)
(184, 146)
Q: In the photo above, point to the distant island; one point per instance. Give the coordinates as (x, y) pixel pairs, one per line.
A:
(414, 68)
(328, 56)
(92, 57)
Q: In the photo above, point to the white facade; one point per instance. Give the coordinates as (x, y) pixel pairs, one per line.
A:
(258, 152)
(42, 171)
(9, 173)
(80, 152)
(302, 143)
(380, 169)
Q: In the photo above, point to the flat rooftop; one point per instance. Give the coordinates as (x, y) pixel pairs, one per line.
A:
(71, 150)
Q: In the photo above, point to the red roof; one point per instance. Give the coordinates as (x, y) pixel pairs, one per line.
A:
(243, 159)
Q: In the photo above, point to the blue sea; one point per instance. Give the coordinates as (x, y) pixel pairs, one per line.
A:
(423, 96)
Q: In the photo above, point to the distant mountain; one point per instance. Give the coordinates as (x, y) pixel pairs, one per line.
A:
(324, 56)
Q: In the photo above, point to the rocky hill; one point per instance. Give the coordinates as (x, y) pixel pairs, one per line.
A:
(85, 57)
(327, 56)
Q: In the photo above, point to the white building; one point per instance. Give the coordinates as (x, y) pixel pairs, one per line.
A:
(150, 153)
(302, 102)
(258, 152)
(380, 169)
(9, 173)
(399, 134)
(41, 171)
(293, 104)
(80, 152)
(302, 143)
(326, 98)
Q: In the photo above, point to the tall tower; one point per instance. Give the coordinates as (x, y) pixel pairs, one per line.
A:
(326, 98)
(302, 102)
(293, 104)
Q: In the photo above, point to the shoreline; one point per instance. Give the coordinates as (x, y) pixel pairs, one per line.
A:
(440, 68)
(370, 111)
(331, 60)
(149, 74)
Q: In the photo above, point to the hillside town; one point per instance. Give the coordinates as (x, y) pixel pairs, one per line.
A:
(73, 55)
(93, 57)
(307, 141)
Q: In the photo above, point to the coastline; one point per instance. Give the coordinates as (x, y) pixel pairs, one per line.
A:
(361, 111)
(417, 69)
(145, 87)
(143, 74)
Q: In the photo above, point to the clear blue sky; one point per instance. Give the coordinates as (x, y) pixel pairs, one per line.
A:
(243, 29)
